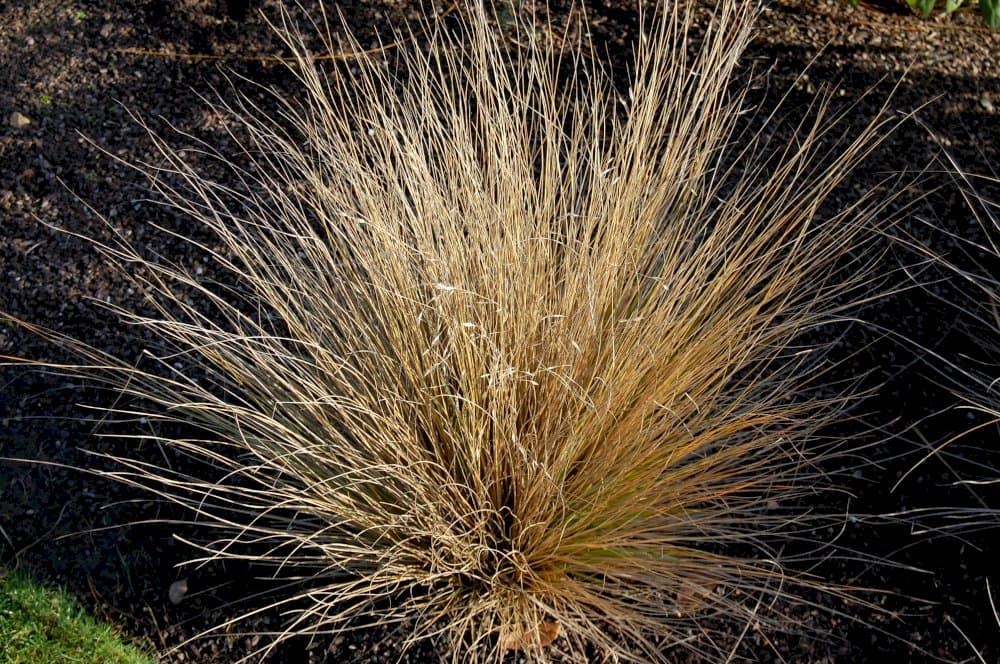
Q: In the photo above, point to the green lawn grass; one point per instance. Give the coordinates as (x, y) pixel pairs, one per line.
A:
(40, 626)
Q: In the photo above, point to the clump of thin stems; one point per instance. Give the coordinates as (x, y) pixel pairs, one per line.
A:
(503, 352)
(972, 375)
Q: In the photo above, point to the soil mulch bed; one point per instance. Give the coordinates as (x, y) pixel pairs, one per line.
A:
(73, 73)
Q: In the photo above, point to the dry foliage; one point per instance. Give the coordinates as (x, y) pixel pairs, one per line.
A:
(504, 355)
(971, 375)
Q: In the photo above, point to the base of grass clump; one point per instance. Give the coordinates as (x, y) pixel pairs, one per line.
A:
(41, 626)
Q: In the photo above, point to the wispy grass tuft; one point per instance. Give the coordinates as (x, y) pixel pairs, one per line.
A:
(967, 453)
(503, 354)
(972, 375)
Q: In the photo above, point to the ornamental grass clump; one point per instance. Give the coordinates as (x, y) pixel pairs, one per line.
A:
(505, 354)
(972, 375)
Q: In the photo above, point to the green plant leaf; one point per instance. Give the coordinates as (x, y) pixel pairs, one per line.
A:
(952, 5)
(925, 7)
(991, 12)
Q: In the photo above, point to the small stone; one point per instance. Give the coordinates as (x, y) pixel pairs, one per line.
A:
(18, 120)
(178, 589)
(987, 103)
(106, 30)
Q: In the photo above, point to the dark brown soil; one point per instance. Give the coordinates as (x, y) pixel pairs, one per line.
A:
(76, 71)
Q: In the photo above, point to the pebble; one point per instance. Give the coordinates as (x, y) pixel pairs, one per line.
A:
(178, 589)
(987, 103)
(18, 120)
(106, 30)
